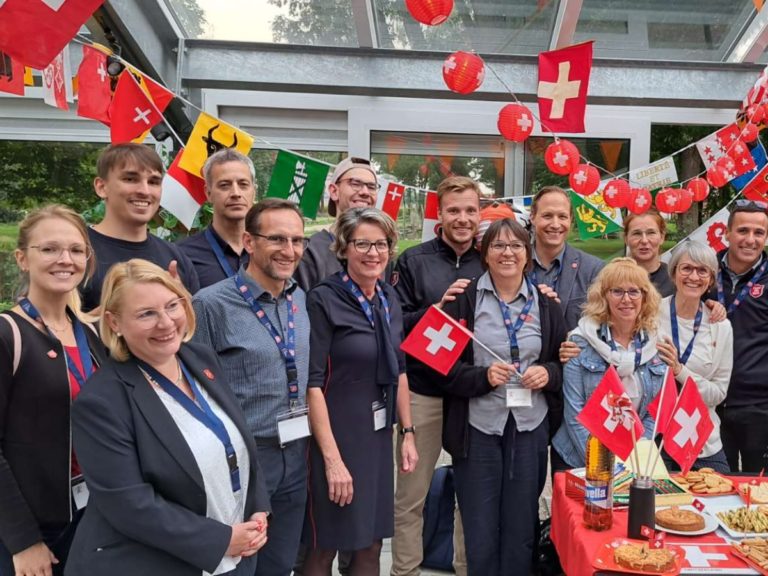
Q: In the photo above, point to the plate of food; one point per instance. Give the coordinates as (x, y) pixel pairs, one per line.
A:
(705, 482)
(758, 492)
(754, 552)
(685, 521)
(743, 521)
(637, 557)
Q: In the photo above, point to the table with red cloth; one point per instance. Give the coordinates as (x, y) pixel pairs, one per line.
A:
(577, 546)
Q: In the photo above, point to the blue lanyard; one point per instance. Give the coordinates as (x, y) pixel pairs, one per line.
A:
(219, 253)
(683, 358)
(203, 413)
(287, 345)
(512, 329)
(556, 279)
(743, 292)
(638, 349)
(364, 302)
(83, 350)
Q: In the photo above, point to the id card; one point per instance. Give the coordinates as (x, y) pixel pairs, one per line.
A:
(293, 425)
(517, 396)
(379, 415)
(80, 492)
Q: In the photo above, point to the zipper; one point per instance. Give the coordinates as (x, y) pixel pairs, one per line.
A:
(458, 262)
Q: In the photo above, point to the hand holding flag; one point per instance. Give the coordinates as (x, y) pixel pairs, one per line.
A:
(437, 340)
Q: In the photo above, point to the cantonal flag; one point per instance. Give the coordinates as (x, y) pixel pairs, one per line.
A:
(208, 136)
(389, 197)
(57, 81)
(437, 340)
(590, 220)
(717, 144)
(300, 180)
(183, 193)
(431, 217)
(689, 428)
(11, 75)
(712, 233)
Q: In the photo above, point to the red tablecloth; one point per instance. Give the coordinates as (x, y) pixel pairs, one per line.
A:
(578, 546)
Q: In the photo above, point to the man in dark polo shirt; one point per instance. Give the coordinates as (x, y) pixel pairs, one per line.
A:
(217, 252)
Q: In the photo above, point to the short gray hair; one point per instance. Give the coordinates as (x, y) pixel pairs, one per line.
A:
(347, 223)
(699, 253)
(224, 156)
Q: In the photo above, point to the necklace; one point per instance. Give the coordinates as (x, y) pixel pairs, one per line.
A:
(56, 328)
(181, 374)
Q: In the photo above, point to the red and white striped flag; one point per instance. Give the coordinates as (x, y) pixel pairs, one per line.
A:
(183, 193)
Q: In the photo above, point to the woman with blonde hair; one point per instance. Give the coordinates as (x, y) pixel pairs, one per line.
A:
(618, 327)
(166, 453)
(48, 349)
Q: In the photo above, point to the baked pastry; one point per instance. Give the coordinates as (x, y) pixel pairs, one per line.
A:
(682, 520)
(704, 481)
(641, 557)
(758, 493)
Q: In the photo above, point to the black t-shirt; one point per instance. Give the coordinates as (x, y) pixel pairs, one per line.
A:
(109, 251)
(660, 278)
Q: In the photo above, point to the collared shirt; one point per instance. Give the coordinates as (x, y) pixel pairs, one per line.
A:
(253, 364)
(549, 275)
(209, 271)
(489, 413)
(735, 278)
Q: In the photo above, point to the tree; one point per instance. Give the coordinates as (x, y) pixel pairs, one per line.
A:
(191, 17)
(315, 23)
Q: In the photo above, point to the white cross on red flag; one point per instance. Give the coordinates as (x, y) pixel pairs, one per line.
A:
(689, 428)
(609, 415)
(132, 113)
(437, 340)
(665, 399)
(94, 93)
(562, 88)
(390, 196)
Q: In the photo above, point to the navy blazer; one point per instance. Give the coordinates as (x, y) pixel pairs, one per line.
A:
(577, 273)
(146, 513)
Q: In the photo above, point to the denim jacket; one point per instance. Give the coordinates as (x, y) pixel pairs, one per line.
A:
(581, 376)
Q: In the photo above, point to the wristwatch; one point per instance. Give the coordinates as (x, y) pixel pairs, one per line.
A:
(407, 430)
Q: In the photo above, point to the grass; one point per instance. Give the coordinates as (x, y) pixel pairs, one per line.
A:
(8, 235)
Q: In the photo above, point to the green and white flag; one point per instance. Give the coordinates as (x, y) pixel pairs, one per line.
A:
(300, 180)
(590, 220)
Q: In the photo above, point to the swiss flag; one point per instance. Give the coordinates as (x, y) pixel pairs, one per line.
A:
(35, 31)
(665, 400)
(183, 193)
(132, 113)
(11, 75)
(389, 198)
(57, 81)
(437, 340)
(562, 89)
(689, 427)
(431, 217)
(94, 92)
(609, 415)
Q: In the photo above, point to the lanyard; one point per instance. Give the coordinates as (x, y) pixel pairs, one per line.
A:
(638, 349)
(219, 253)
(286, 346)
(512, 329)
(555, 280)
(743, 292)
(683, 358)
(203, 413)
(364, 302)
(83, 349)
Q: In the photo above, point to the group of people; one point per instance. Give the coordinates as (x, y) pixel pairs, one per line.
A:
(226, 404)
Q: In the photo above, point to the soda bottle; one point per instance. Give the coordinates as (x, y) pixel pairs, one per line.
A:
(598, 488)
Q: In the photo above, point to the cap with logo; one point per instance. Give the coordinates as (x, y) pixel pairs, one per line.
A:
(342, 168)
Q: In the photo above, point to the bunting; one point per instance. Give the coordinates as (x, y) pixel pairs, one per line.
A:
(590, 220)
(209, 136)
(300, 180)
(11, 75)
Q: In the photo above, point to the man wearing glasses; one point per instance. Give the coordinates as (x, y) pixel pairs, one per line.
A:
(741, 283)
(257, 323)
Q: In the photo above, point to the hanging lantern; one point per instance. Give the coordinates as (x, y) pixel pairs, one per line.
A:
(463, 72)
(717, 175)
(515, 122)
(749, 132)
(561, 157)
(666, 200)
(639, 200)
(699, 188)
(684, 200)
(616, 193)
(756, 113)
(584, 179)
(430, 12)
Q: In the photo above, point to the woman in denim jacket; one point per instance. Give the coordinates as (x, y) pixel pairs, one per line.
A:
(618, 328)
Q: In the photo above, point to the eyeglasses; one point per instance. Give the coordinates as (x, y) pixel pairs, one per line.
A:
(358, 185)
(364, 246)
(744, 203)
(149, 318)
(501, 247)
(688, 269)
(52, 252)
(298, 242)
(619, 293)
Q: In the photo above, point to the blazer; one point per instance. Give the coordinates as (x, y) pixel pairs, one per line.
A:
(146, 513)
(578, 271)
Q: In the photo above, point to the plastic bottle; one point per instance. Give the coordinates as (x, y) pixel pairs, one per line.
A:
(598, 489)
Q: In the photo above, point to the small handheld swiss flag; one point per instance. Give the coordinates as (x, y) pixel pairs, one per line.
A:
(437, 340)
(689, 428)
(663, 405)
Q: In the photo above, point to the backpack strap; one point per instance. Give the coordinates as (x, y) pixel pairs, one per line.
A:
(16, 341)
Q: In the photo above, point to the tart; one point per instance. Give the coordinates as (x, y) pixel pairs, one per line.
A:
(758, 493)
(682, 520)
(640, 557)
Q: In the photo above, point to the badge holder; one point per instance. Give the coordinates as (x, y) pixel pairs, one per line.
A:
(293, 425)
(517, 395)
(379, 410)
(80, 492)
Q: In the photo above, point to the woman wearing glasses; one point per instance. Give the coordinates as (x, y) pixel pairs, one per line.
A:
(618, 328)
(495, 415)
(47, 351)
(644, 235)
(167, 456)
(356, 382)
(693, 345)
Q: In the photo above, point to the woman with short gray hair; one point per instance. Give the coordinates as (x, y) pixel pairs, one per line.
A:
(692, 344)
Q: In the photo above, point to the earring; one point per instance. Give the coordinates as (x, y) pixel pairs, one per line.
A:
(118, 334)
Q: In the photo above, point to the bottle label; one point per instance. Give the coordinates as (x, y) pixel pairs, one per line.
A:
(597, 495)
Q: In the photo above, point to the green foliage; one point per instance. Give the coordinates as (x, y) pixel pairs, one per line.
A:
(315, 23)
(191, 17)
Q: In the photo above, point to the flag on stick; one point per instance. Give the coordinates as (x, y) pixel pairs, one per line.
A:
(689, 427)
(437, 340)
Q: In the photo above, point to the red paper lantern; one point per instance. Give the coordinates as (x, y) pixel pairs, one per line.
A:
(431, 12)
(756, 113)
(639, 200)
(684, 200)
(584, 179)
(666, 200)
(515, 122)
(699, 188)
(749, 132)
(561, 157)
(616, 193)
(463, 72)
(718, 175)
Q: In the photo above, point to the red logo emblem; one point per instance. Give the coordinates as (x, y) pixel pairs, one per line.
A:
(208, 374)
(757, 290)
(394, 278)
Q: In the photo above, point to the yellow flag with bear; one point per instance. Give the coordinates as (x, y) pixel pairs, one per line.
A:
(209, 136)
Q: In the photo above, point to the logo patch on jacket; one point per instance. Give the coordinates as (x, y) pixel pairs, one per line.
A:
(394, 278)
(757, 290)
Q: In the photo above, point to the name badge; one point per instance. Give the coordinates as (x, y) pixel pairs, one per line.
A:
(379, 415)
(80, 492)
(293, 425)
(517, 396)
